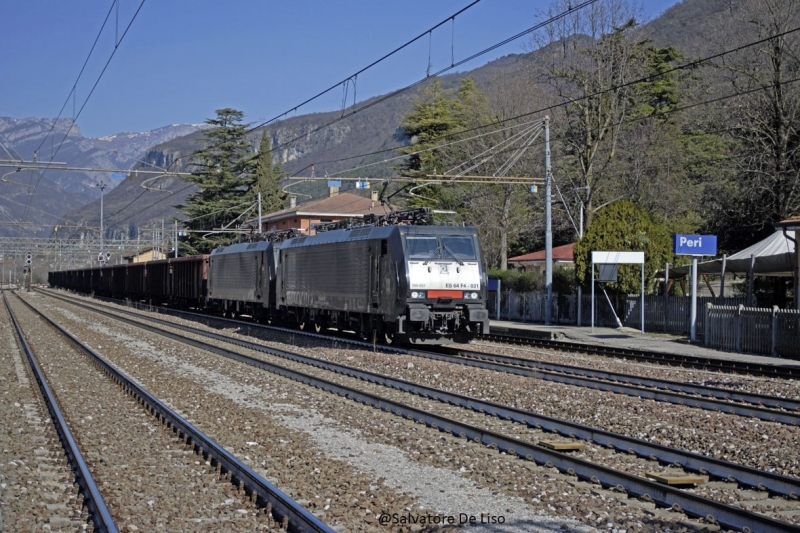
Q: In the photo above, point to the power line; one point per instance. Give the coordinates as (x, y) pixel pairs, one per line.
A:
(439, 73)
(354, 76)
(651, 77)
(75, 85)
(415, 84)
(685, 66)
(116, 47)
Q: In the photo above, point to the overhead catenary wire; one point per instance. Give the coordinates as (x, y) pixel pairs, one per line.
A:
(673, 110)
(393, 94)
(80, 74)
(684, 66)
(651, 77)
(99, 77)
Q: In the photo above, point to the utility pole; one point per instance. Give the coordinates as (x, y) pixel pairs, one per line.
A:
(176, 238)
(548, 233)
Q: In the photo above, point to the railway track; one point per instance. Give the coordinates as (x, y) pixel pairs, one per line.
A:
(781, 410)
(99, 515)
(282, 513)
(675, 360)
(764, 407)
(693, 505)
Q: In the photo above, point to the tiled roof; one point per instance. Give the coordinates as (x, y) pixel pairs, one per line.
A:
(344, 204)
(560, 253)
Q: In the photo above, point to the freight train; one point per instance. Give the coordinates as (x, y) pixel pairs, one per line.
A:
(403, 283)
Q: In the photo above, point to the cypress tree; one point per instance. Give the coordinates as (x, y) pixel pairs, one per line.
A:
(268, 178)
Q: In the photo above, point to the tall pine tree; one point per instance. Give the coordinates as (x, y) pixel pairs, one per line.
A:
(224, 171)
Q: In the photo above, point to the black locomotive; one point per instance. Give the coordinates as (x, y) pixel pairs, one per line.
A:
(405, 283)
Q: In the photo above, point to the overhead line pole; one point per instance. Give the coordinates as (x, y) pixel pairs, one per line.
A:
(548, 233)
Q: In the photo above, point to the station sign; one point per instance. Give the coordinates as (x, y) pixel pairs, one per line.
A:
(118, 175)
(695, 245)
(334, 183)
(362, 185)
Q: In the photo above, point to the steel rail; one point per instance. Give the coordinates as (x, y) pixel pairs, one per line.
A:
(697, 396)
(532, 369)
(687, 361)
(98, 510)
(687, 388)
(724, 470)
(668, 496)
(284, 509)
(693, 505)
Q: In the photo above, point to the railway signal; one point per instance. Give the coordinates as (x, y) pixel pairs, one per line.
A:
(28, 259)
(100, 257)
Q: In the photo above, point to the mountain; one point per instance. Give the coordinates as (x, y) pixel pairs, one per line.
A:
(332, 142)
(57, 191)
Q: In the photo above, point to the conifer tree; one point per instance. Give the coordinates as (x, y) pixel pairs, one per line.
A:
(224, 172)
(434, 117)
(268, 178)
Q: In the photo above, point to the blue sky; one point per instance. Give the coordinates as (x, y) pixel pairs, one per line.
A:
(183, 59)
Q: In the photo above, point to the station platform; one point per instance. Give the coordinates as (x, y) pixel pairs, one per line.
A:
(631, 339)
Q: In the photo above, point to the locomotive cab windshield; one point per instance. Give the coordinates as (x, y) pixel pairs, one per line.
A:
(445, 283)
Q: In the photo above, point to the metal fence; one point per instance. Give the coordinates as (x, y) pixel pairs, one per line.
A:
(757, 330)
(662, 316)
(722, 323)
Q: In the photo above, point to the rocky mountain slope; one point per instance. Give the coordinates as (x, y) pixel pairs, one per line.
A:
(59, 191)
(331, 142)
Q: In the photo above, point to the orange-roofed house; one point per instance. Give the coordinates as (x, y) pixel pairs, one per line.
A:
(563, 256)
(342, 206)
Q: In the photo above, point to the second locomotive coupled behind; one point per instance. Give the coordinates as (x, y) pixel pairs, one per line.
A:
(407, 283)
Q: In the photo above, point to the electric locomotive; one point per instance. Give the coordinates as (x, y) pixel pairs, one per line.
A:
(241, 279)
(407, 283)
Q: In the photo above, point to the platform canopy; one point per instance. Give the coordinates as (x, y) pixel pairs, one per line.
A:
(774, 256)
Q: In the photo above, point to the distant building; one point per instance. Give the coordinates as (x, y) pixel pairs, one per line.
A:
(338, 206)
(563, 256)
(147, 254)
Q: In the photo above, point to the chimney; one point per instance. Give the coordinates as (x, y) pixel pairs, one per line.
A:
(293, 201)
(374, 196)
(334, 191)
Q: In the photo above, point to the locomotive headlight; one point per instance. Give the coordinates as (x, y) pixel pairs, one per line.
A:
(418, 294)
(473, 295)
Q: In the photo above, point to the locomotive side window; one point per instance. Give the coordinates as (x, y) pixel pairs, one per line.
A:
(460, 247)
(384, 247)
(422, 247)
